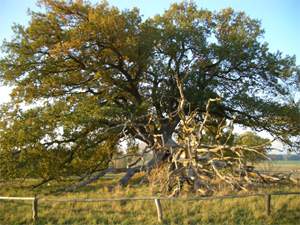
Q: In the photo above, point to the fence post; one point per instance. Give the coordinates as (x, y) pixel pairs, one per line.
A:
(159, 210)
(35, 209)
(268, 204)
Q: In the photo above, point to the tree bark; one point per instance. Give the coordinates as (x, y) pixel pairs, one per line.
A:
(155, 161)
(92, 179)
(131, 171)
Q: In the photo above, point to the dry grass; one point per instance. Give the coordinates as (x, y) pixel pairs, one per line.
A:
(279, 165)
(285, 209)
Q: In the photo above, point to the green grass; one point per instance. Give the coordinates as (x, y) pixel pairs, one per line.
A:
(279, 165)
(285, 210)
(250, 211)
(294, 162)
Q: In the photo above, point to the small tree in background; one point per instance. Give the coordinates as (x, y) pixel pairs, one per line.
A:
(250, 140)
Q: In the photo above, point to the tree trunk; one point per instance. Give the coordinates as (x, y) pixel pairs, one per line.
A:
(92, 179)
(155, 161)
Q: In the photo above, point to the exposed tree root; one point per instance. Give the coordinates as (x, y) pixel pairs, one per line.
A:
(191, 161)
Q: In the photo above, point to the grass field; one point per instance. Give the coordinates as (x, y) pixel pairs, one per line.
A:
(250, 211)
(280, 165)
(285, 210)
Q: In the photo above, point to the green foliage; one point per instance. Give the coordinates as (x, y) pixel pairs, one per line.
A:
(85, 76)
(252, 140)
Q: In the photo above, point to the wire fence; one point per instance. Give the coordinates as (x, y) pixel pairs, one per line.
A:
(156, 199)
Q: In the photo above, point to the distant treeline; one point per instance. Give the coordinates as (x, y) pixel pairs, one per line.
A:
(284, 156)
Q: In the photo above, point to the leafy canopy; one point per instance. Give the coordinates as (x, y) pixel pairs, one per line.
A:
(86, 77)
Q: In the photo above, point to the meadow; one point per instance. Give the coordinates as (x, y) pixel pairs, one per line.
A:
(250, 210)
(280, 166)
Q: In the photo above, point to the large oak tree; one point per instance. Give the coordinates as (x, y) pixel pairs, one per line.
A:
(87, 77)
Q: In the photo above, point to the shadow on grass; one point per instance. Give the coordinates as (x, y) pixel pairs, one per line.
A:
(286, 215)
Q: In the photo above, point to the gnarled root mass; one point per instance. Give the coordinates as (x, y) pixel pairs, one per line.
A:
(202, 165)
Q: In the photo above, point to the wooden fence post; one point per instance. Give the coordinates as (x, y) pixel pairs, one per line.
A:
(268, 204)
(35, 209)
(159, 210)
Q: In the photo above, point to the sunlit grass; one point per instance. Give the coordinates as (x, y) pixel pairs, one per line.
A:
(279, 165)
(285, 210)
(251, 210)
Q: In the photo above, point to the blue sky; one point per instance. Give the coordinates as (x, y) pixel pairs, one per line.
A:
(279, 18)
